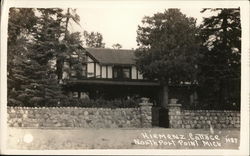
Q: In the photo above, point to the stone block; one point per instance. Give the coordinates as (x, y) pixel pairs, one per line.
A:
(12, 115)
(178, 112)
(86, 113)
(149, 117)
(199, 126)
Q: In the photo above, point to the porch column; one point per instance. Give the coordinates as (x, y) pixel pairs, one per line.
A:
(164, 92)
(146, 113)
(174, 115)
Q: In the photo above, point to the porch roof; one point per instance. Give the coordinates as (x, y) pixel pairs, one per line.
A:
(114, 82)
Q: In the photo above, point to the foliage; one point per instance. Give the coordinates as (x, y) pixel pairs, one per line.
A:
(20, 26)
(101, 103)
(31, 80)
(87, 103)
(20, 23)
(71, 41)
(117, 46)
(93, 39)
(221, 65)
(168, 49)
(68, 47)
(168, 46)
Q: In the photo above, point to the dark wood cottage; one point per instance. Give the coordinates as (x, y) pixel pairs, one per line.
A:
(111, 74)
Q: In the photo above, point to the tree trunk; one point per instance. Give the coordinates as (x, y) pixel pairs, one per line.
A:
(165, 89)
(59, 68)
(67, 22)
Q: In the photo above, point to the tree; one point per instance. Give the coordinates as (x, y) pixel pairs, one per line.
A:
(70, 42)
(168, 48)
(93, 39)
(54, 42)
(117, 46)
(39, 87)
(48, 40)
(71, 15)
(20, 25)
(221, 66)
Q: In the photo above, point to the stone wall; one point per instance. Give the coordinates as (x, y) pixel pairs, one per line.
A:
(179, 118)
(79, 117)
(120, 117)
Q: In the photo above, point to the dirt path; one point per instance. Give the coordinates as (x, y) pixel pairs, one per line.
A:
(155, 138)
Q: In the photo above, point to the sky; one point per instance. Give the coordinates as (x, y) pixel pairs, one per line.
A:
(118, 24)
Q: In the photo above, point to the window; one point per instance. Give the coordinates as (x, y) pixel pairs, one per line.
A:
(84, 70)
(122, 73)
(126, 73)
(78, 70)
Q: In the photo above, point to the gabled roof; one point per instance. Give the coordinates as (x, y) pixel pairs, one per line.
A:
(112, 56)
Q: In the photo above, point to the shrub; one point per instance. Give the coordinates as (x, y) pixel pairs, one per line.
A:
(97, 103)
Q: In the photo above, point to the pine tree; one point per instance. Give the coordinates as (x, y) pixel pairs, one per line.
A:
(221, 65)
(32, 80)
(20, 26)
(16, 78)
(46, 47)
(70, 41)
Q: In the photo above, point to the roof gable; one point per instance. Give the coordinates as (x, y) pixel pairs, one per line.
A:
(112, 56)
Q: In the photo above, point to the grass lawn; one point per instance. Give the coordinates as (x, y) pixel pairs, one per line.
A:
(153, 138)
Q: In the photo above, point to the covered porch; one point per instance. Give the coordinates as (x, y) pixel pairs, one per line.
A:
(110, 89)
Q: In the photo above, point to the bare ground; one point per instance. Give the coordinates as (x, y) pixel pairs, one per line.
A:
(153, 138)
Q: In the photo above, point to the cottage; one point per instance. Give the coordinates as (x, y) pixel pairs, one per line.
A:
(110, 74)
